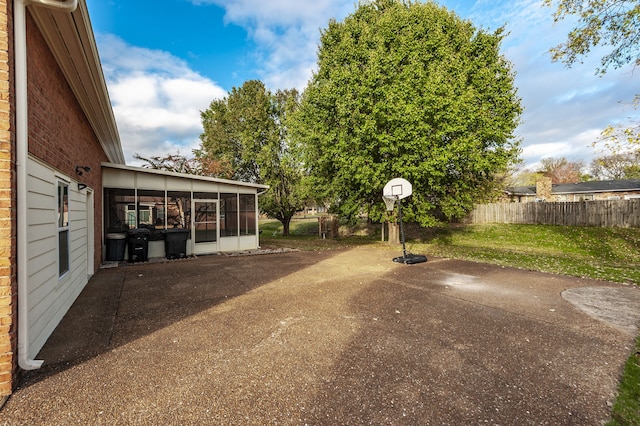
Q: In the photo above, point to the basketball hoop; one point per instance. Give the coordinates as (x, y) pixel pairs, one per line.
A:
(389, 201)
(399, 189)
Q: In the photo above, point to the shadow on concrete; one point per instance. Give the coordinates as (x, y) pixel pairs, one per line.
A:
(491, 349)
(119, 305)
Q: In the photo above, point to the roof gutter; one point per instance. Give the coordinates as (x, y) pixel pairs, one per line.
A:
(22, 153)
(62, 6)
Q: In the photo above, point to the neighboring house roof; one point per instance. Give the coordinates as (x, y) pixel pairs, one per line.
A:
(184, 175)
(70, 38)
(582, 187)
(597, 186)
(521, 190)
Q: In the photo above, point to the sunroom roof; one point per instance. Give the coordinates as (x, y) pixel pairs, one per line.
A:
(184, 175)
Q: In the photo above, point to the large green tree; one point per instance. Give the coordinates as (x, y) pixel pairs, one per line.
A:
(248, 130)
(408, 89)
(238, 127)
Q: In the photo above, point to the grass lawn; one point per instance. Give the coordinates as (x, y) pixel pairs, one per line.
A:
(611, 254)
(602, 253)
(626, 409)
(304, 236)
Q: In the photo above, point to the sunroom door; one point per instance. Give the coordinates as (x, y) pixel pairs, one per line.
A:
(206, 232)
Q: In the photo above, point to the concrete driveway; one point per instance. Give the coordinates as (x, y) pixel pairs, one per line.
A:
(334, 337)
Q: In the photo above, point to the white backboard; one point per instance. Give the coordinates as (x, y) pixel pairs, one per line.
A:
(397, 188)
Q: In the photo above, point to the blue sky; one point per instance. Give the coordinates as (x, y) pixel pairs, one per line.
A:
(164, 62)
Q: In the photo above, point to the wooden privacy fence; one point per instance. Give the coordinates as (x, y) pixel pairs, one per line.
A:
(620, 213)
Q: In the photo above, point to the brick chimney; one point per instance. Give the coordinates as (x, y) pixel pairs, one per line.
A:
(543, 189)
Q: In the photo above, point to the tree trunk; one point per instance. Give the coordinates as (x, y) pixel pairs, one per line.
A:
(285, 226)
(394, 233)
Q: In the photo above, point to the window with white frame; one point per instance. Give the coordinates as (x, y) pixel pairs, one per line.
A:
(63, 228)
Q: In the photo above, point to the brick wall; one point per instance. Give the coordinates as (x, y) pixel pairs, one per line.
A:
(544, 188)
(8, 293)
(59, 133)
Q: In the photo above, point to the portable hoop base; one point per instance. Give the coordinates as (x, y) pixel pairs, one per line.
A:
(410, 259)
(406, 258)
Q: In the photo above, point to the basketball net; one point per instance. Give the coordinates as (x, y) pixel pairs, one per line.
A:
(389, 202)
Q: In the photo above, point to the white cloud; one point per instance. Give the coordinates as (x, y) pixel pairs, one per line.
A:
(156, 99)
(570, 147)
(286, 33)
(281, 12)
(542, 150)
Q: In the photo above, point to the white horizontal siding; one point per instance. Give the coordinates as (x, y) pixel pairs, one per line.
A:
(40, 249)
(36, 231)
(78, 235)
(50, 297)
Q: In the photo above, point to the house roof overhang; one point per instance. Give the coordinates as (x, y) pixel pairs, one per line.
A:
(71, 41)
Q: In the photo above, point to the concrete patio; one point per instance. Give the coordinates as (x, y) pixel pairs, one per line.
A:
(331, 337)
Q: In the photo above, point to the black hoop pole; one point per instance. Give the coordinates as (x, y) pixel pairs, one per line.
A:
(406, 258)
(404, 249)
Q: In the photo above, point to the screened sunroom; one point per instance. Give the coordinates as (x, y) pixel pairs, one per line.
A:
(214, 215)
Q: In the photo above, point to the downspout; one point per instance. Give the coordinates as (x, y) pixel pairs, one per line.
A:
(22, 153)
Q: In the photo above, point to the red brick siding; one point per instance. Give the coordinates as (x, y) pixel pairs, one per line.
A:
(59, 132)
(60, 135)
(8, 281)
